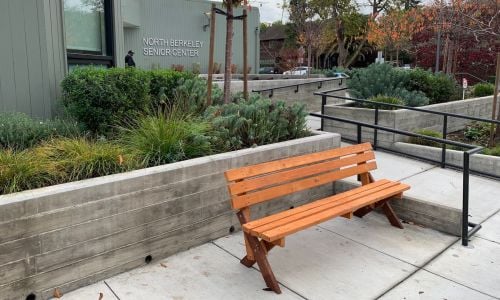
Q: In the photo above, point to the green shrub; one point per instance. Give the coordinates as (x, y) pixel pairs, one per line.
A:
(167, 137)
(442, 88)
(77, 159)
(483, 89)
(384, 99)
(382, 79)
(23, 170)
(103, 98)
(438, 88)
(478, 132)
(257, 121)
(19, 131)
(191, 95)
(492, 151)
(426, 142)
(164, 82)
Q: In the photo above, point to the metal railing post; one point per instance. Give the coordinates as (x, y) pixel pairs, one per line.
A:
(359, 133)
(445, 133)
(323, 103)
(465, 201)
(375, 131)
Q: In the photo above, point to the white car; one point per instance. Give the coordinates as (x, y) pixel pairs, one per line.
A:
(297, 71)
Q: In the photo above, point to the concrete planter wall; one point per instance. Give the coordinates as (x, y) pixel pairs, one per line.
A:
(75, 234)
(478, 162)
(405, 119)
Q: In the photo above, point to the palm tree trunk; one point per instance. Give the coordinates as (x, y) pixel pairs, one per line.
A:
(229, 53)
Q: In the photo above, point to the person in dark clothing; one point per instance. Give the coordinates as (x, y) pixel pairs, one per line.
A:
(129, 60)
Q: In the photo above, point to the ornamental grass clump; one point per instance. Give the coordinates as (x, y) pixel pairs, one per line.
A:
(24, 170)
(77, 159)
(166, 137)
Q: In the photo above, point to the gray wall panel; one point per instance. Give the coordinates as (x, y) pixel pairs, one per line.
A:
(181, 19)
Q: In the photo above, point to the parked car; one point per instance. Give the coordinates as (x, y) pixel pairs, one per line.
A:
(340, 75)
(266, 70)
(297, 71)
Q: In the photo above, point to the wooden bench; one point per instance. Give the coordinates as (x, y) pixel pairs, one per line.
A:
(267, 181)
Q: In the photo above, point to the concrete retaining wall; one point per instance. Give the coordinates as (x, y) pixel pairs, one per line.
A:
(406, 119)
(75, 234)
(478, 162)
(305, 94)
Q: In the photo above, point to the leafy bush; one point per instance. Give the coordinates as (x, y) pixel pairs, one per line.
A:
(164, 82)
(478, 132)
(492, 151)
(382, 79)
(442, 88)
(425, 142)
(483, 89)
(103, 98)
(167, 137)
(191, 95)
(77, 159)
(23, 170)
(438, 88)
(384, 99)
(19, 131)
(257, 121)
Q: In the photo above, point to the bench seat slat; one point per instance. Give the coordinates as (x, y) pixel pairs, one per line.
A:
(300, 185)
(287, 213)
(325, 215)
(293, 174)
(282, 164)
(324, 204)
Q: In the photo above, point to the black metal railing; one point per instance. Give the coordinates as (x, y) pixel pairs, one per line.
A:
(472, 149)
(297, 86)
(466, 233)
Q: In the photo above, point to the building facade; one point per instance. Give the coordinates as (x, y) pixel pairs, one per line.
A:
(43, 40)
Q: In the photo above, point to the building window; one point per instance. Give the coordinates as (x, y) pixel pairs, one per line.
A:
(89, 32)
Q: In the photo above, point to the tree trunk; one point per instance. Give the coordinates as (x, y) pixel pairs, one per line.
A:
(229, 53)
(449, 62)
(309, 57)
(355, 54)
(340, 40)
(397, 56)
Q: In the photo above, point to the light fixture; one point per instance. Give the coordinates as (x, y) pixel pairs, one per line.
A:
(208, 15)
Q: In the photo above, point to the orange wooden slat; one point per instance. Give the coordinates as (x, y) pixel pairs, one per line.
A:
(268, 167)
(293, 227)
(316, 210)
(376, 186)
(297, 173)
(300, 185)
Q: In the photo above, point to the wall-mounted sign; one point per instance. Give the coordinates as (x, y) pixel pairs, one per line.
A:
(171, 47)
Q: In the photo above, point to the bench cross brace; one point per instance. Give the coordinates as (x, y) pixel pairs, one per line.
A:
(259, 251)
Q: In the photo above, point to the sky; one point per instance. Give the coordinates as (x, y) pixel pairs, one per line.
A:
(270, 10)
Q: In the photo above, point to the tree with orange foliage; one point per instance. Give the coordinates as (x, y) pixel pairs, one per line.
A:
(394, 30)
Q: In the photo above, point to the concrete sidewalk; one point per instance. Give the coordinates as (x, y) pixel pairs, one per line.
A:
(343, 259)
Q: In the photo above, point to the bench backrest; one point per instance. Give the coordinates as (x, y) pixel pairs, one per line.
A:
(263, 182)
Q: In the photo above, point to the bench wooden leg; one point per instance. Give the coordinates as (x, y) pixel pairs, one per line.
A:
(391, 215)
(259, 251)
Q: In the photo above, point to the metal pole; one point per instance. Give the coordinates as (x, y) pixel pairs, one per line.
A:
(465, 201)
(494, 110)
(323, 103)
(359, 134)
(445, 133)
(211, 55)
(375, 132)
(245, 54)
(438, 43)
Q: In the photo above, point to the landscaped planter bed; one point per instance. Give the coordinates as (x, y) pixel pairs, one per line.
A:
(403, 119)
(74, 234)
